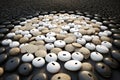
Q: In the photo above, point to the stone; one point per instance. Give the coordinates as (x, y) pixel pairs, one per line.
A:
(14, 51)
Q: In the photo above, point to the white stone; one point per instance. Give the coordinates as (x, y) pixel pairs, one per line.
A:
(59, 43)
(102, 49)
(107, 44)
(64, 56)
(49, 34)
(51, 57)
(95, 56)
(90, 46)
(81, 41)
(78, 34)
(38, 62)
(77, 56)
(73, 65)
(49, 46)
(50, 39)
(10, 35)
(53, 67)
(27, 57)
(87, 37)
(14, 44)
(6, 41)
(40, 37)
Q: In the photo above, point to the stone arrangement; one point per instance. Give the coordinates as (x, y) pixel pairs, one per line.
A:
(57, 41)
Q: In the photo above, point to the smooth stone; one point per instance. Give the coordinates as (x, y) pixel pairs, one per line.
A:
(90, 46)
(105, 38)
(50, 39)
(111, 62)
(10, 35)
(40, 53)
(78, 34)
(51, 34)
(77, 45)
(1, 71)
(4, 30)
(24, 40)
(14, 51)
(12, 77)
(14, 44)
(116, 36)
(12, 64)
(116, 42)
(77, 56)
(107, 44)
(95, 56)
(76, 65)
(1, 35)
(60, 36)
(10, 26)
(38, 62)
(116, 54)
(109, 33)
(85, 52)
(22, 19)
(86, 66)
(41, 47)
(17, 37)
(53, 67)
(87, 37)
(115, 31)
(2, 26)
(69, 40)
(86, 75)
(102, 49)
(103, 27)
(27, 57)
(3, 57)
(6, 42)
(40, 76)
(40, 37)
(69, 48)
(29, 48)
(51, 57)
(25, 69)
(81, 41)
(56, 50)
(49, 46)
(2, 49)
(103, 70)
(64, 56)
(59, 43)
(61, 76)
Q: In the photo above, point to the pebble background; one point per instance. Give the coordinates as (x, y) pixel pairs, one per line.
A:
(10, 9)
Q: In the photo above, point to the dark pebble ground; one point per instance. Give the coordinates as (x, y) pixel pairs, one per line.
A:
(10, 9)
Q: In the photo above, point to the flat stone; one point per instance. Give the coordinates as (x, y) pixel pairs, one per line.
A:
(61, 76)
(14, 51)
(77, 45)
(40, 53)
(24, 40)
(86, 66)
(55, 50)
(69, 48)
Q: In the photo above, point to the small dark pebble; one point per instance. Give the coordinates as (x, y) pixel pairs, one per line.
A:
(25, 69)
(116, 43)
(2, 49)
(116, 54)
(111, 62)
(3, 57)
(4, 30)
(116, 36)
(12, 77)
(12, 64)
(40, 76)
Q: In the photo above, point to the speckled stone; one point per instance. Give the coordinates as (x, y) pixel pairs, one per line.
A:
(77, 45)
(69, 48)
(1, 71)
(24, 40)
(85, 52)
(86, 66)
(14, 51)
(40, 53)
(61, 76)
(56, 50)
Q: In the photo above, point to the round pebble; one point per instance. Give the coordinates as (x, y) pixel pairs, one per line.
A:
(107, 44)
(86, 66)
(56, 50)
(51, 57)
(61, 76)
(76, 65)
(24, 40)
(53, 67)
(40, 53)
(14, 51)
(6, 42)
(14, 44)
(90, 46)
(59, 43)
(77, 56)
(12, 77)
(49, 46)
(69, 48)
(38, 62)
(64, 56)
(27, 57)
(85, 52)
(102, 49)
(1, 71)
(81, 41)
(95, 56)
